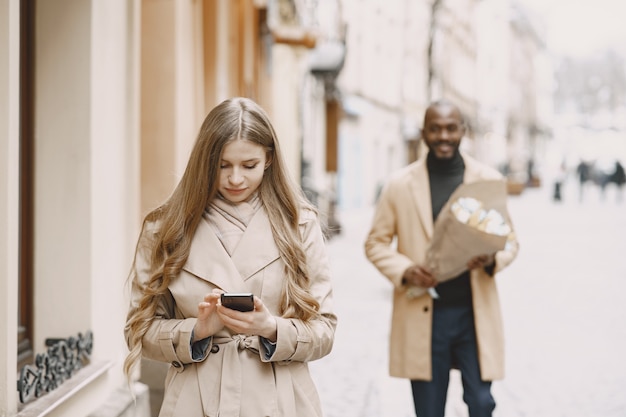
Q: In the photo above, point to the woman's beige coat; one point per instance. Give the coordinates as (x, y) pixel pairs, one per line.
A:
(404, 214)
(235, 379)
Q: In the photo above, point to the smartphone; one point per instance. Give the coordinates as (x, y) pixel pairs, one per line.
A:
(238, 301)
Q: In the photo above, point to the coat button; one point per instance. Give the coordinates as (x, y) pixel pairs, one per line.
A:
(177, 364)
(215, 349)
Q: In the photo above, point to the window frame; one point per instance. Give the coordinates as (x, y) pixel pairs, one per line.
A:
(26, 183)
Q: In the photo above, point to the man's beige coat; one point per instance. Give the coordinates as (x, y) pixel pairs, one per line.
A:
(235, 379)
(401, 230)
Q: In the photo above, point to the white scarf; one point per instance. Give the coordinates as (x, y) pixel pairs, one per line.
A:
(230, 220)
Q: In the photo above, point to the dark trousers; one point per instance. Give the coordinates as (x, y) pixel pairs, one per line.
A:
(453, 346)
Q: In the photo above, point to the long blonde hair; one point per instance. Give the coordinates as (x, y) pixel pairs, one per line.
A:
(179, 216)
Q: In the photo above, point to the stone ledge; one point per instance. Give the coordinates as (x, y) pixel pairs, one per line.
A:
(122, 404)
(47, 403)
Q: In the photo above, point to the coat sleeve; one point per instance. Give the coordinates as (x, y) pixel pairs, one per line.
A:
(379, 247)
(168, 339)
(509, 253)
(306, 341)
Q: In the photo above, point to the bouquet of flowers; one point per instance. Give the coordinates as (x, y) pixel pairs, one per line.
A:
(473, 222)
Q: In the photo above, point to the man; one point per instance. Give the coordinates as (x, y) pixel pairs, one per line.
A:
(463, 327)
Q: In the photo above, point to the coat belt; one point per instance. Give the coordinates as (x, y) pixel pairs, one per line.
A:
(230, 387)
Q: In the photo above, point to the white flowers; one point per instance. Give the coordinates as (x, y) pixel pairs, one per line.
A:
(470, 211)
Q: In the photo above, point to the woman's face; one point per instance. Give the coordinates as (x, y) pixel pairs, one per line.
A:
(241, 170)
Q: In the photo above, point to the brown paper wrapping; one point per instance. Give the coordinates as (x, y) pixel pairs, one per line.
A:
(454, 243)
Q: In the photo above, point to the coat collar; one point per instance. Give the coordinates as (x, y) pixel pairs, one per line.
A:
(473, 169)
(257, 248)
(420, 190)
(209, 260)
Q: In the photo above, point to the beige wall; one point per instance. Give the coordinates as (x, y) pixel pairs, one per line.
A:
(62, 284)
(385, 75)
(114, 189)
(286, 103)
(86, 185)
(189, 78)
(9, 156)
(158, 126)
(172, 87)
(108, 149)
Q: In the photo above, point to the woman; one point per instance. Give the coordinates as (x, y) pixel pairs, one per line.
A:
(235, 223)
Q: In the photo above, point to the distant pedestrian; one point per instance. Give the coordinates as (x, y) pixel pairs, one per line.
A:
(559, 181)
(236, 222)
(558, 194)
(619, 178)
(607, 171)
(584, 174)
(462, 328)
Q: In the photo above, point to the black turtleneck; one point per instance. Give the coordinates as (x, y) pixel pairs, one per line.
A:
(445, 175)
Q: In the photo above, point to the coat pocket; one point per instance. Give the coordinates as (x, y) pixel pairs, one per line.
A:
(182, 394)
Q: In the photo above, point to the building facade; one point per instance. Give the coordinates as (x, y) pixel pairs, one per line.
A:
(486, 56)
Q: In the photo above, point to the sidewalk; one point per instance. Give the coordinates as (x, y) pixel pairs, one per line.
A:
(353, 380)
(563, 310)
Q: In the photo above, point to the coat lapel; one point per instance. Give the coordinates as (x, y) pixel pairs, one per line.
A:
(472, 169)
(209, 260)
(420, 190)
(257, 248)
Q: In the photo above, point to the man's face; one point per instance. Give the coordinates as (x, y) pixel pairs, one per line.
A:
(443, 130)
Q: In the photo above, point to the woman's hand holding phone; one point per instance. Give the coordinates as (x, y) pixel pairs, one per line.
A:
(258, 321)
(208, 321)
